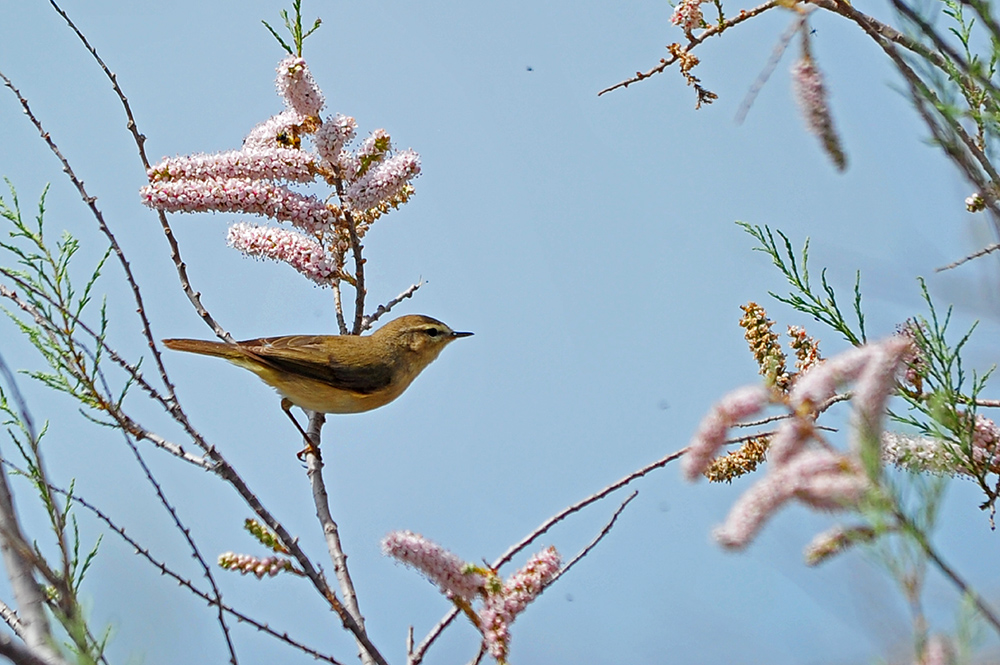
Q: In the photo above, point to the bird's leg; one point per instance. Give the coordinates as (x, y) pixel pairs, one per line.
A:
(286, 406)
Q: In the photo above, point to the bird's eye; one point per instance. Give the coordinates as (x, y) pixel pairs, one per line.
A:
(433, 332)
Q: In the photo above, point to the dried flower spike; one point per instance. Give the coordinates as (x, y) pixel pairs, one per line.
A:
(764, 345)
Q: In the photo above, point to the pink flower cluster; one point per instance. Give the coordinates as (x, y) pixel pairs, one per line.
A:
(810, 91)
(817, 476)
(244, 563)
(384, 181)
(254, 179)
(254, 164)
(455, 577)
(332, 136)
(502, 601)
(297, 87)
(502, 605)
(925, 454)
(256, 197)
(687, 14)
(301, 252)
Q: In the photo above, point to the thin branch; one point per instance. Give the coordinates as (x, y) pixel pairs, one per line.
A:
(314, 470)
(20, 654)
(123, 419)
(9, 616)
(182, 581)
(21, 574)
(598, 538)
(175, 253)
(338, 307)
(91, 203)
(989, 249)
(359, 274)
(418, 654)
(384, 309)
(948, 571)
(693, 41)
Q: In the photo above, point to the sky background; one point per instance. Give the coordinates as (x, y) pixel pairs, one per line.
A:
(588, 242)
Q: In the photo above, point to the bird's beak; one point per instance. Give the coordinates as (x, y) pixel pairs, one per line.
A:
(456, 335)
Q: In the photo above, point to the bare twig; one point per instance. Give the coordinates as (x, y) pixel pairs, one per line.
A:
(182, 581)
(10, 618)
(598, 538)
(175, 253)
(693, 41)
(338, 306)
(21, 574)
(384, 309)
(772, 62)
(418, 655)
(975, 255)
(314, 470)
(20, 654)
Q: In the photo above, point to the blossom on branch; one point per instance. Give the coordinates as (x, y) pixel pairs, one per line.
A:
(687, 14)
(254, 164)
(384, 181)
(333, 135)
(807, 82)
(711, 435)
(455, 577)
(298, 88)
(257, 197)
(301, 252)
(503, 604)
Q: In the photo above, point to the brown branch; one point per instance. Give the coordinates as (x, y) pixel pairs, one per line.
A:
(418, 654)
(694, 40)
(314, 470)
(598, 538)
(989, 249)
(175, 253)
(384, 309)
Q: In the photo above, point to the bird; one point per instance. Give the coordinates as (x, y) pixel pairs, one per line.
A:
(336, 373)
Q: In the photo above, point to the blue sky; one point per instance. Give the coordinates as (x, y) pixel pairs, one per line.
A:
(588, 242)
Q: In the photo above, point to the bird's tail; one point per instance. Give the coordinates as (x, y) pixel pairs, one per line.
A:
(205, 348)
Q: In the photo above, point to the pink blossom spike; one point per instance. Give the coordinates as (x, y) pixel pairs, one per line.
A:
(333, 135)
(501, 608)
(258, 197)
(758, 504)
(810, 92)
(711, 435)
(790, 439)
(821, 382)
(873, 389)
(384, 181)
(442, 567)
(265, 135)
(255, 163)
(301, 252)
(298, 88)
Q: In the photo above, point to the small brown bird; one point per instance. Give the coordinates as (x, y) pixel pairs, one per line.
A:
(337, 373)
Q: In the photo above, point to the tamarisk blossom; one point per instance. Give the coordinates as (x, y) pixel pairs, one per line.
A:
(504, 602)
(297, 87)
(455, 577)
(333, 135)
(257, 197)
(687, 14)
(383, 182)
(254, 164)
(926, 454)
(255, 180)
(301, 252)
(818, 476)
(810, 92)
(711, 435)
(464, 582)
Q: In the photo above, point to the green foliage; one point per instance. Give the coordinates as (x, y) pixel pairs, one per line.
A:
(803, 298)
(294, 28)
(54, 306)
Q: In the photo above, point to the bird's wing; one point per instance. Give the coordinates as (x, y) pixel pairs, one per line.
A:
(310, 356)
